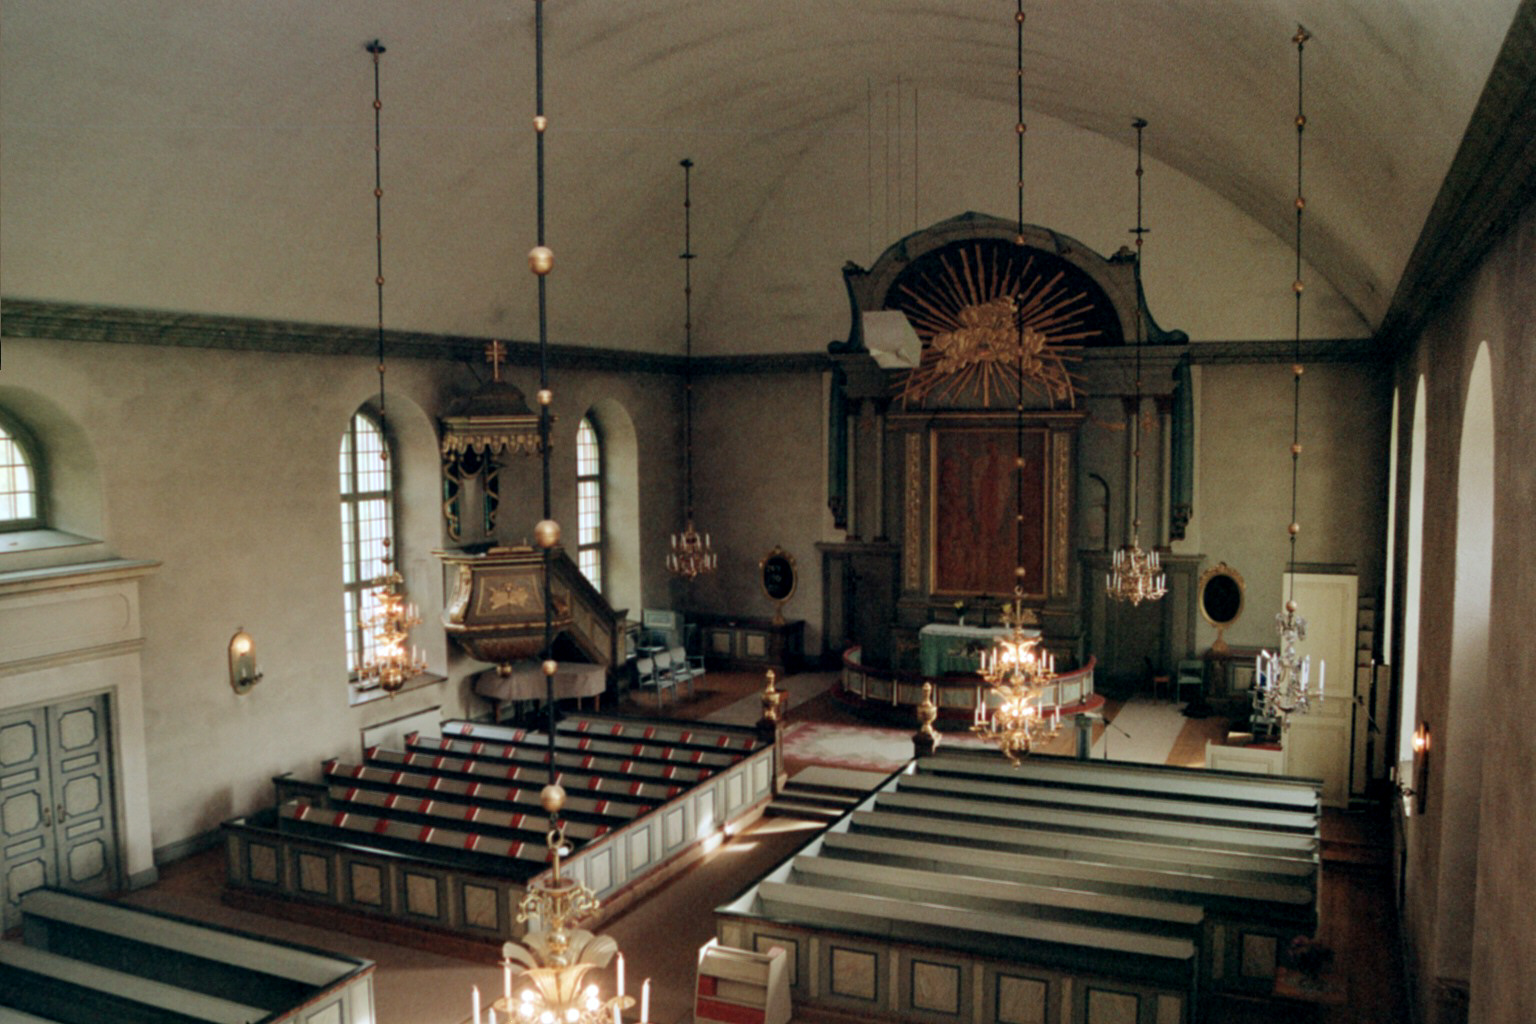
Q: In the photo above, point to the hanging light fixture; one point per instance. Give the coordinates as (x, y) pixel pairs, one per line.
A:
(545, 978)
(1016, 711)
(691, 554)
(393, 660)
(1136, 575)
(1282, 678)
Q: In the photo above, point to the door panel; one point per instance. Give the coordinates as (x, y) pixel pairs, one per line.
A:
(1318, 743)
(27, 856)
(56, 807)
(81, 786)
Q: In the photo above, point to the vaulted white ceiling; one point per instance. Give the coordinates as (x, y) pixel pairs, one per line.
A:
(215, 156)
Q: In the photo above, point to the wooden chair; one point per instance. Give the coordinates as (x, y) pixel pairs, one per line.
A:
(683, 666)
(654, 672)
(1191, 672)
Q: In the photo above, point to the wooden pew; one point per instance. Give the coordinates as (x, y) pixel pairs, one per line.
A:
(967, 861)
(573, 760)
(489, 822)
(1223, 788)
(1027, 838)
(712, 748)
(1289, 904)
(106, 961)
(578, 807)
(1128, 824)
(429, 835)
(1166, 806)
(60, 988)
(458, 846)
(612, 786)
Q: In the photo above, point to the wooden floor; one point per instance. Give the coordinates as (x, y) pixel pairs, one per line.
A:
(661, 935)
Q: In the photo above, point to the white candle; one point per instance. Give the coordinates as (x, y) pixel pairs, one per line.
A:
(645, 1001)
(506, 983)
(475, 997)
(621, 977)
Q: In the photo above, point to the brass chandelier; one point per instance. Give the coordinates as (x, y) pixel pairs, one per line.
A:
(545, 978)
(1283, 678)
(1135, 574)
(691, 554)
(1013, 714)
(391, 618)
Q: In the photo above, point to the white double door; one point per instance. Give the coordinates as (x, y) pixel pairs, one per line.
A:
(57, 823)
(1319, 743)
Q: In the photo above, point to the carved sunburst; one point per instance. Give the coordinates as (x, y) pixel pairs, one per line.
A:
(979, 318)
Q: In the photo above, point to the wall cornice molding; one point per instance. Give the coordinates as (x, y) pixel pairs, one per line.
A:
(57, 321)
(1492, 180)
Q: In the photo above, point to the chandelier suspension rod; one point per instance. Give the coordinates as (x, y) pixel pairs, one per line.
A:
(687, 258)
(1018, 455)
(376, 48)
(1300, 40)
(1139, 124)
(544, 393)
(1018, 18)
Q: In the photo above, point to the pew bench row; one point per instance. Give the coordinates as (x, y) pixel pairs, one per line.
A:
(83, 960)
(1072, 891)
(448, 837)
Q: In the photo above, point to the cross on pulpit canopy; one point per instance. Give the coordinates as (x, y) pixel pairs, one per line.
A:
(495, 353)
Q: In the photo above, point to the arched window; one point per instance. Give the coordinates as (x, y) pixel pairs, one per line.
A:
(21, 503)
(589, 502)
(367, 518)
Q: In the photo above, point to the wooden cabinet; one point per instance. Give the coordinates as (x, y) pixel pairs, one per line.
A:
(733, 643)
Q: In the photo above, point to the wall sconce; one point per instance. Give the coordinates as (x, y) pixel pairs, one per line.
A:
(242, 662)
(1421, 750)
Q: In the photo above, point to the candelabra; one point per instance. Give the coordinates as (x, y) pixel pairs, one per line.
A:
(545, 977)
(1018, 673)
(392, 661)
(1136, 575)
(691, 554)
(1282, 678)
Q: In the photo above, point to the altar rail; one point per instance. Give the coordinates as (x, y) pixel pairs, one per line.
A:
(447, 834)
(1080, 892)
(956, 696)
(84, 960)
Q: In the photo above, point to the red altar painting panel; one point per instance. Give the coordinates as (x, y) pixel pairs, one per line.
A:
(975, 496)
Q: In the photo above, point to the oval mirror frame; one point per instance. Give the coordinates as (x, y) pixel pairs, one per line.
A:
(778, 569)
(1221, 595)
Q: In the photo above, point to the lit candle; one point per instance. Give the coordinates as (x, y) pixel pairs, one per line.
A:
(475, 1002)
(506, 982)
(645, 1001)
(621, 977)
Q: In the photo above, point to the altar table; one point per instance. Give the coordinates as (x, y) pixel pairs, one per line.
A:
(948, 647)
